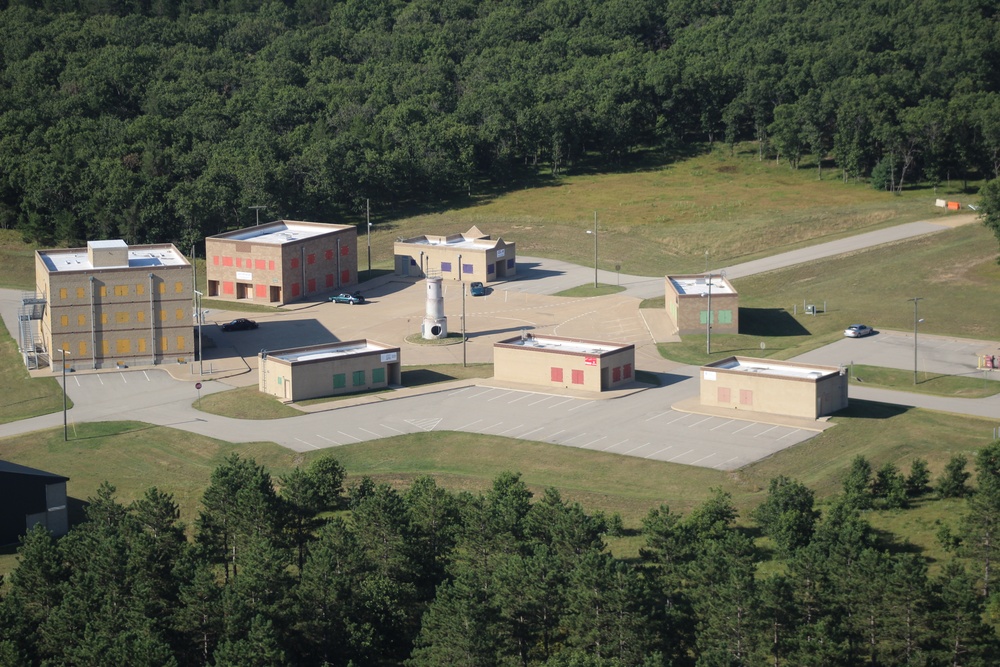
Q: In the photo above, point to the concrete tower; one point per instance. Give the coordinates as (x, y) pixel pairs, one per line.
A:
(435, 323)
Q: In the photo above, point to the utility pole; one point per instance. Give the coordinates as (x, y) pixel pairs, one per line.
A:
(916, 321)
(368, 219)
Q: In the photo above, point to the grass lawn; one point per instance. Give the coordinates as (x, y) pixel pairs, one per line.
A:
(589, 290)
(24, 397)
(245, 403)
(927, 383)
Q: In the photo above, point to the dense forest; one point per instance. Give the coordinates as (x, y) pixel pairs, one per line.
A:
(294, 572)
(162, 120)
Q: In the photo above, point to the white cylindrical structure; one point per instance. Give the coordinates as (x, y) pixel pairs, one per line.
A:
(435, 323)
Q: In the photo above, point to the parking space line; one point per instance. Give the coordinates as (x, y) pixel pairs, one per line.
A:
(744, 428)
(766, 431)
(722, 424)
(634, 448)
(683, 415)
(524, 435)
(649, 456)
(511, 429)
(327, 439)
(680, 455)
(99, 379)
(604, 449)
(552, 437)
(349, 436)
(593, 441)
(77, 380)
(561, 402)
(579, 435)
(123, 377)
(391, 428)
(462, 428)
(541, 400)
(788, 434)
(656, 416)
(725, 462)
(488, 390)
(520, 398)
(307, 444)
(147, 377)
(489, 427)
(701, 422)
(694, 463)
(459, 391)
(503, 395)
(582, 404)
(367, 431)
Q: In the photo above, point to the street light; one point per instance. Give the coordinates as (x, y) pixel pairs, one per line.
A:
(65, 429)
(595, 248)
(464, 339)
(915, 301)
(201, 317)
(368, 219)
(708, 319)
(257, 209)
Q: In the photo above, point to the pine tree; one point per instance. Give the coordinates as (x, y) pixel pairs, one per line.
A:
(919, 479)
(952, 482)
(962, 637)
(857, 483)
(787, 516)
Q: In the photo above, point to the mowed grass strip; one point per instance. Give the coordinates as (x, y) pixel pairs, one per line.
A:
(245, 403)
(968, 386)
(24, 397)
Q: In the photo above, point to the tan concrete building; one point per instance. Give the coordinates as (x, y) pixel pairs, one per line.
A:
(471, 256)
(568, 363)
(110, 304)
(281, 262)
(314, 371)
(692, 299)
(776, 387)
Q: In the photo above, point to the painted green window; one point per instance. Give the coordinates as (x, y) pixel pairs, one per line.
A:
(359, 378)
(725, 317)
(279, 380)
(378, 375)
(339, 381)
(704, 317)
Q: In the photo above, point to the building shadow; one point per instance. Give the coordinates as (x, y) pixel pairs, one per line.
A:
(770, 322)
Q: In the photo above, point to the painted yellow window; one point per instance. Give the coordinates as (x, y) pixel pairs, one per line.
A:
(179, 314)
(64, 320)
(123, 346)
(140, 316)
(65, 347)
(180, 343)
(163, 316)
(82, 349)
(140, 345)
(104, 290)
(121, 290)
(62, 292)
(163, 344)
(104, 318)
(121, 318)
(178, 287)
(163, 288)
(104, 348)
(81, 320)
(80, 292)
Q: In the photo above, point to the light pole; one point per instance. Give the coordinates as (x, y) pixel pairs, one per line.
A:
(708, 319)
(201, 353)
(595, 248)
(368, 219)
(915, 301)
(257, 209)
(65, 428)
(463, 327)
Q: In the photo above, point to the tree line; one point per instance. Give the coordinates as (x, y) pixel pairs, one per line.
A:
(164, 121)
(292, 571)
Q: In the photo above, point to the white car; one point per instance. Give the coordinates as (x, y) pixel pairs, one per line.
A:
(858, 330)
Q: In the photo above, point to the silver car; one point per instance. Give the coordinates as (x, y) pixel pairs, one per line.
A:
(858, 330)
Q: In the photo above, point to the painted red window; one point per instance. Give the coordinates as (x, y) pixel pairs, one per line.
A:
(577, 377)
(296, 288)
(345, 250)
(270, 265)
(345, 276)
(329, 280)
(627, 371)
(215, 260)
(557, 374)
(227, 287)
(329, 253)
(724, 395)
(616, 374)
(239, 263)
(295, 262)
(260, 264)
(312, 284)
(746, 397)
(261, 291)
(227, 261)
(311, 258)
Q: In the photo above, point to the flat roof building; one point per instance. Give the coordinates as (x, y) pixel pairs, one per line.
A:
(471, 256)
(29, 497)
(329, 369)
(113, 304)
(281, 261)
(776, 387)
(692, 300)
(568, 363)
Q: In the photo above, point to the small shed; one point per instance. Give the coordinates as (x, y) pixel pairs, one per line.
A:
(314, 371)
(775, 387)
(569, 363)
(28, 497)
(694, 300)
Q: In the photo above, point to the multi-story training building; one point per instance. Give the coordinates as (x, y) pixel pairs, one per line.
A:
(314, 371)
(281, 262)
(471, 256)
(110, 304)
(693, 301)
(776, 387)
(569, 363)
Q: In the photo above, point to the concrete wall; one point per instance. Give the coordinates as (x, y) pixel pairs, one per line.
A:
(316, 378)
(688, 311)
(275, 274)
(483, 265)
(758, 392)
(117, 316)
(547, 367)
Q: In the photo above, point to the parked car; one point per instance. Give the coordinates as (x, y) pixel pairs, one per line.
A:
(348, 298)
(858, 330)
(240, 324)
(477, 289)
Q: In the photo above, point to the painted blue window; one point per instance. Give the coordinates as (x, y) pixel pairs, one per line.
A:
(446, 267)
